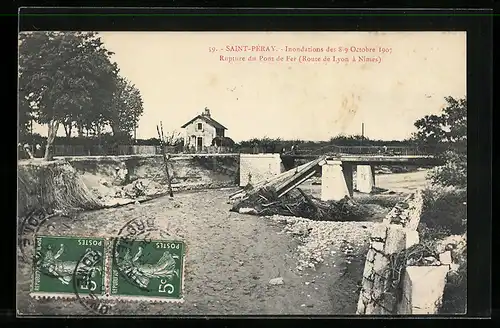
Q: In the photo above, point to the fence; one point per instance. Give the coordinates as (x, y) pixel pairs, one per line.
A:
(80, 150)
(368, 150)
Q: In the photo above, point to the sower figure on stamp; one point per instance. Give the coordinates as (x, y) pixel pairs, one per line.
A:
(62, 270)
(142, 273)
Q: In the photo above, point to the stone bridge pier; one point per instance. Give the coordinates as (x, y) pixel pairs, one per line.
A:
(337, 179)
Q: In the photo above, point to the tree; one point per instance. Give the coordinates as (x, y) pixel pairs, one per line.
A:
(25, 116)
(446, 130)
(68, 76)
(447, 134)
(172, 138)
(430, 131)
(125, 109)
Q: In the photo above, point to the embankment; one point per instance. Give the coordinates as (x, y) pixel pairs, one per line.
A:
(77, 183)
(52, 186)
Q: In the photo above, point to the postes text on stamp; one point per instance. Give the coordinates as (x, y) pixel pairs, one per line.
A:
(148, 270)
(64, 266)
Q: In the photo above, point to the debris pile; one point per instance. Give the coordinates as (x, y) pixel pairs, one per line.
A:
(280, 196)
(141, 190)
(296, 203)
(323, 239)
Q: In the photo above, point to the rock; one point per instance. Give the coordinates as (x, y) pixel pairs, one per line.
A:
(379, 231)
(276, 281)
(431, 260)
(396, 240)
(303, 305)
(378, 246)
(445, 258)
(412, 238)
(247, 210)
(380, 263)
(104, 182)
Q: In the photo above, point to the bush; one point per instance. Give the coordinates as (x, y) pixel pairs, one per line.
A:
(444, 210)
(453, 173)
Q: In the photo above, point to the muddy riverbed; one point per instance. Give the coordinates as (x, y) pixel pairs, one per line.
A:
(230, 260)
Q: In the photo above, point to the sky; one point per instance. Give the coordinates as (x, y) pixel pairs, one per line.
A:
(179, 74)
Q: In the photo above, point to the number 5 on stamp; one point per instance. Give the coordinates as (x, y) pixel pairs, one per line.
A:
(148, 269)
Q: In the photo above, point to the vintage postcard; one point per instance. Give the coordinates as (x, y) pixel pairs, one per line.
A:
(242, 173)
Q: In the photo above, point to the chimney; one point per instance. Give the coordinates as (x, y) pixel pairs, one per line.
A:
(206, 112)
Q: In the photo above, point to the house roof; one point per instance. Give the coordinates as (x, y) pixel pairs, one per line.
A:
(209, 120)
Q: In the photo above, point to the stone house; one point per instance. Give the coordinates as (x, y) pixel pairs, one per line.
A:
(200, 132)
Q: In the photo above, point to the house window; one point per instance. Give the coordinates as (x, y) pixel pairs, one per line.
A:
(200, 126)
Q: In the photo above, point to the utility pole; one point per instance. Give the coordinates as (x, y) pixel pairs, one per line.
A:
(362, 133)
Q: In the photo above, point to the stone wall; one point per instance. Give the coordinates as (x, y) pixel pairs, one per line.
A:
(396, 233)
(395, 284)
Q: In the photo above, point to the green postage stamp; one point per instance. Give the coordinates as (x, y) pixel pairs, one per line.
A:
(117, 268)
(147, 270)
(68, 266)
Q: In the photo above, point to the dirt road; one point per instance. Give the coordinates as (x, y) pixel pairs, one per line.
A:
(231, 258)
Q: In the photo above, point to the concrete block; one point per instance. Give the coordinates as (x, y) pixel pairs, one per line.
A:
(364, 179)
(259, 167)
(426, 285)
(379, 231)
(396, 239)
(333, 184)
(445, 258)
(412, 238)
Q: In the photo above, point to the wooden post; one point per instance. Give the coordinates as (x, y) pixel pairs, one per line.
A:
(165, 160)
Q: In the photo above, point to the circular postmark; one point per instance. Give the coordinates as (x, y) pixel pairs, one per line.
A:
(83, 276)
(137, 232)
(31, 226)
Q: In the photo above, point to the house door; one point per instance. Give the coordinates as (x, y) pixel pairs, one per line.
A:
(199, 143)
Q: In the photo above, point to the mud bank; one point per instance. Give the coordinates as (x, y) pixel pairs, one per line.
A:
(122, 170)
(76, 183)
(52, 186)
